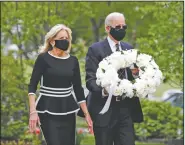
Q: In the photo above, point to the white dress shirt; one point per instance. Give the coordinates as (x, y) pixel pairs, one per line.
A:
(113, 44)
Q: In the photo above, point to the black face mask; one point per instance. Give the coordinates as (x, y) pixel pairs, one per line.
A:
(62, 44)
(117, 34)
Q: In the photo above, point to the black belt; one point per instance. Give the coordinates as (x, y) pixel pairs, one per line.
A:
(119, 101)
(117, 98)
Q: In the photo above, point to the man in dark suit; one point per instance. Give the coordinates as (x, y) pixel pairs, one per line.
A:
(116, 125)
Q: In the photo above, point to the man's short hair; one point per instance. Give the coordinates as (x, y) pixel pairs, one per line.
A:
(111, 17)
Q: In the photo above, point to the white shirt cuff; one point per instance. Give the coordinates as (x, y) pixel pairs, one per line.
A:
(31, 94)
(81, 101)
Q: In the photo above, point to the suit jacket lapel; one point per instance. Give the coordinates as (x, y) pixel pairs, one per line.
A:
(123, 46)
(107, 50)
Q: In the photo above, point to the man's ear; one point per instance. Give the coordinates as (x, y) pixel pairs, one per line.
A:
(107, 28)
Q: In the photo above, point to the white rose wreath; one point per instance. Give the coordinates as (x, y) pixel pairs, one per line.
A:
(148, 80)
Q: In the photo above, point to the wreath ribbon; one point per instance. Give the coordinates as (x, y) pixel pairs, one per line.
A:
(107, 104)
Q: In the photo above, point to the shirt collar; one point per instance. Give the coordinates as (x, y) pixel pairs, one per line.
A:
(112, 43)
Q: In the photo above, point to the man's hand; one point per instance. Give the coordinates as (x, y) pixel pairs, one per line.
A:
(135, 72)
(105, 92)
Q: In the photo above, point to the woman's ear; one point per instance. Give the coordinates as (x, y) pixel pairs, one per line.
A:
(52, 42)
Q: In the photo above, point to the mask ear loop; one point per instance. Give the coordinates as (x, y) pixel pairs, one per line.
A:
(53, 45)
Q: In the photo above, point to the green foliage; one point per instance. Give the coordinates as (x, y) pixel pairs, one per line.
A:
(14, 143)
(14, 110)
(35, 141)
(163, 38)
(161, 120)
(79, 49)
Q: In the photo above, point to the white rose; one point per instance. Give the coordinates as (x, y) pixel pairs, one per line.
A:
(115, 63)
(140, 87)
(104, 64)
(118, 91)
(143, 60)
(105, 82)
(154, 64)
(99, 73)
(127, 87)
(151, 83)
(131, 56)
(98, 82)
(159, 74)
(115, 55)
(149, 72)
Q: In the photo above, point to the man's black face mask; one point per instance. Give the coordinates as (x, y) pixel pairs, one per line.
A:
(118, 33)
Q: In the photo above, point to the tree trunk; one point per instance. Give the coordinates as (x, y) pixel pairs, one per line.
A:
(95, 28)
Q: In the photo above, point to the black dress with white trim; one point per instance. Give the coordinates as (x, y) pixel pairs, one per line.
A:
(57, 76)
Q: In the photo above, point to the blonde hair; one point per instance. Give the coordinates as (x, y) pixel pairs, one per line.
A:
(52, 33)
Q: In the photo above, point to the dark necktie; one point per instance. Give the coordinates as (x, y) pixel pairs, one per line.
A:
(121, 72)
(117, 47)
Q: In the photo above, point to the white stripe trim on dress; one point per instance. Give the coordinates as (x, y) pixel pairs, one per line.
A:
(41, 82)
(62, 89)
(46, 111)
(64, 92)
(38, 100)
(55, 95)
(81, 101)
(62, 57)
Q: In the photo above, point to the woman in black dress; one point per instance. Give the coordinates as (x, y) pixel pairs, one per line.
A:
(59, 74)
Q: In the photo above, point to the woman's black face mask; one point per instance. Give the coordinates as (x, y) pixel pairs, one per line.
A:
(62, 44)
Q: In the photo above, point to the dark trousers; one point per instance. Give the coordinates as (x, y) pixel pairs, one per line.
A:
(120, 130)
(58, 129)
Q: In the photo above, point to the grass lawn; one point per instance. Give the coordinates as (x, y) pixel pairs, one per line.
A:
(142, 143)
(89, 140)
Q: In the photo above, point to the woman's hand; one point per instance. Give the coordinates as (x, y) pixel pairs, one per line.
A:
(89, 123)
(88, 119)
(33, 120)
